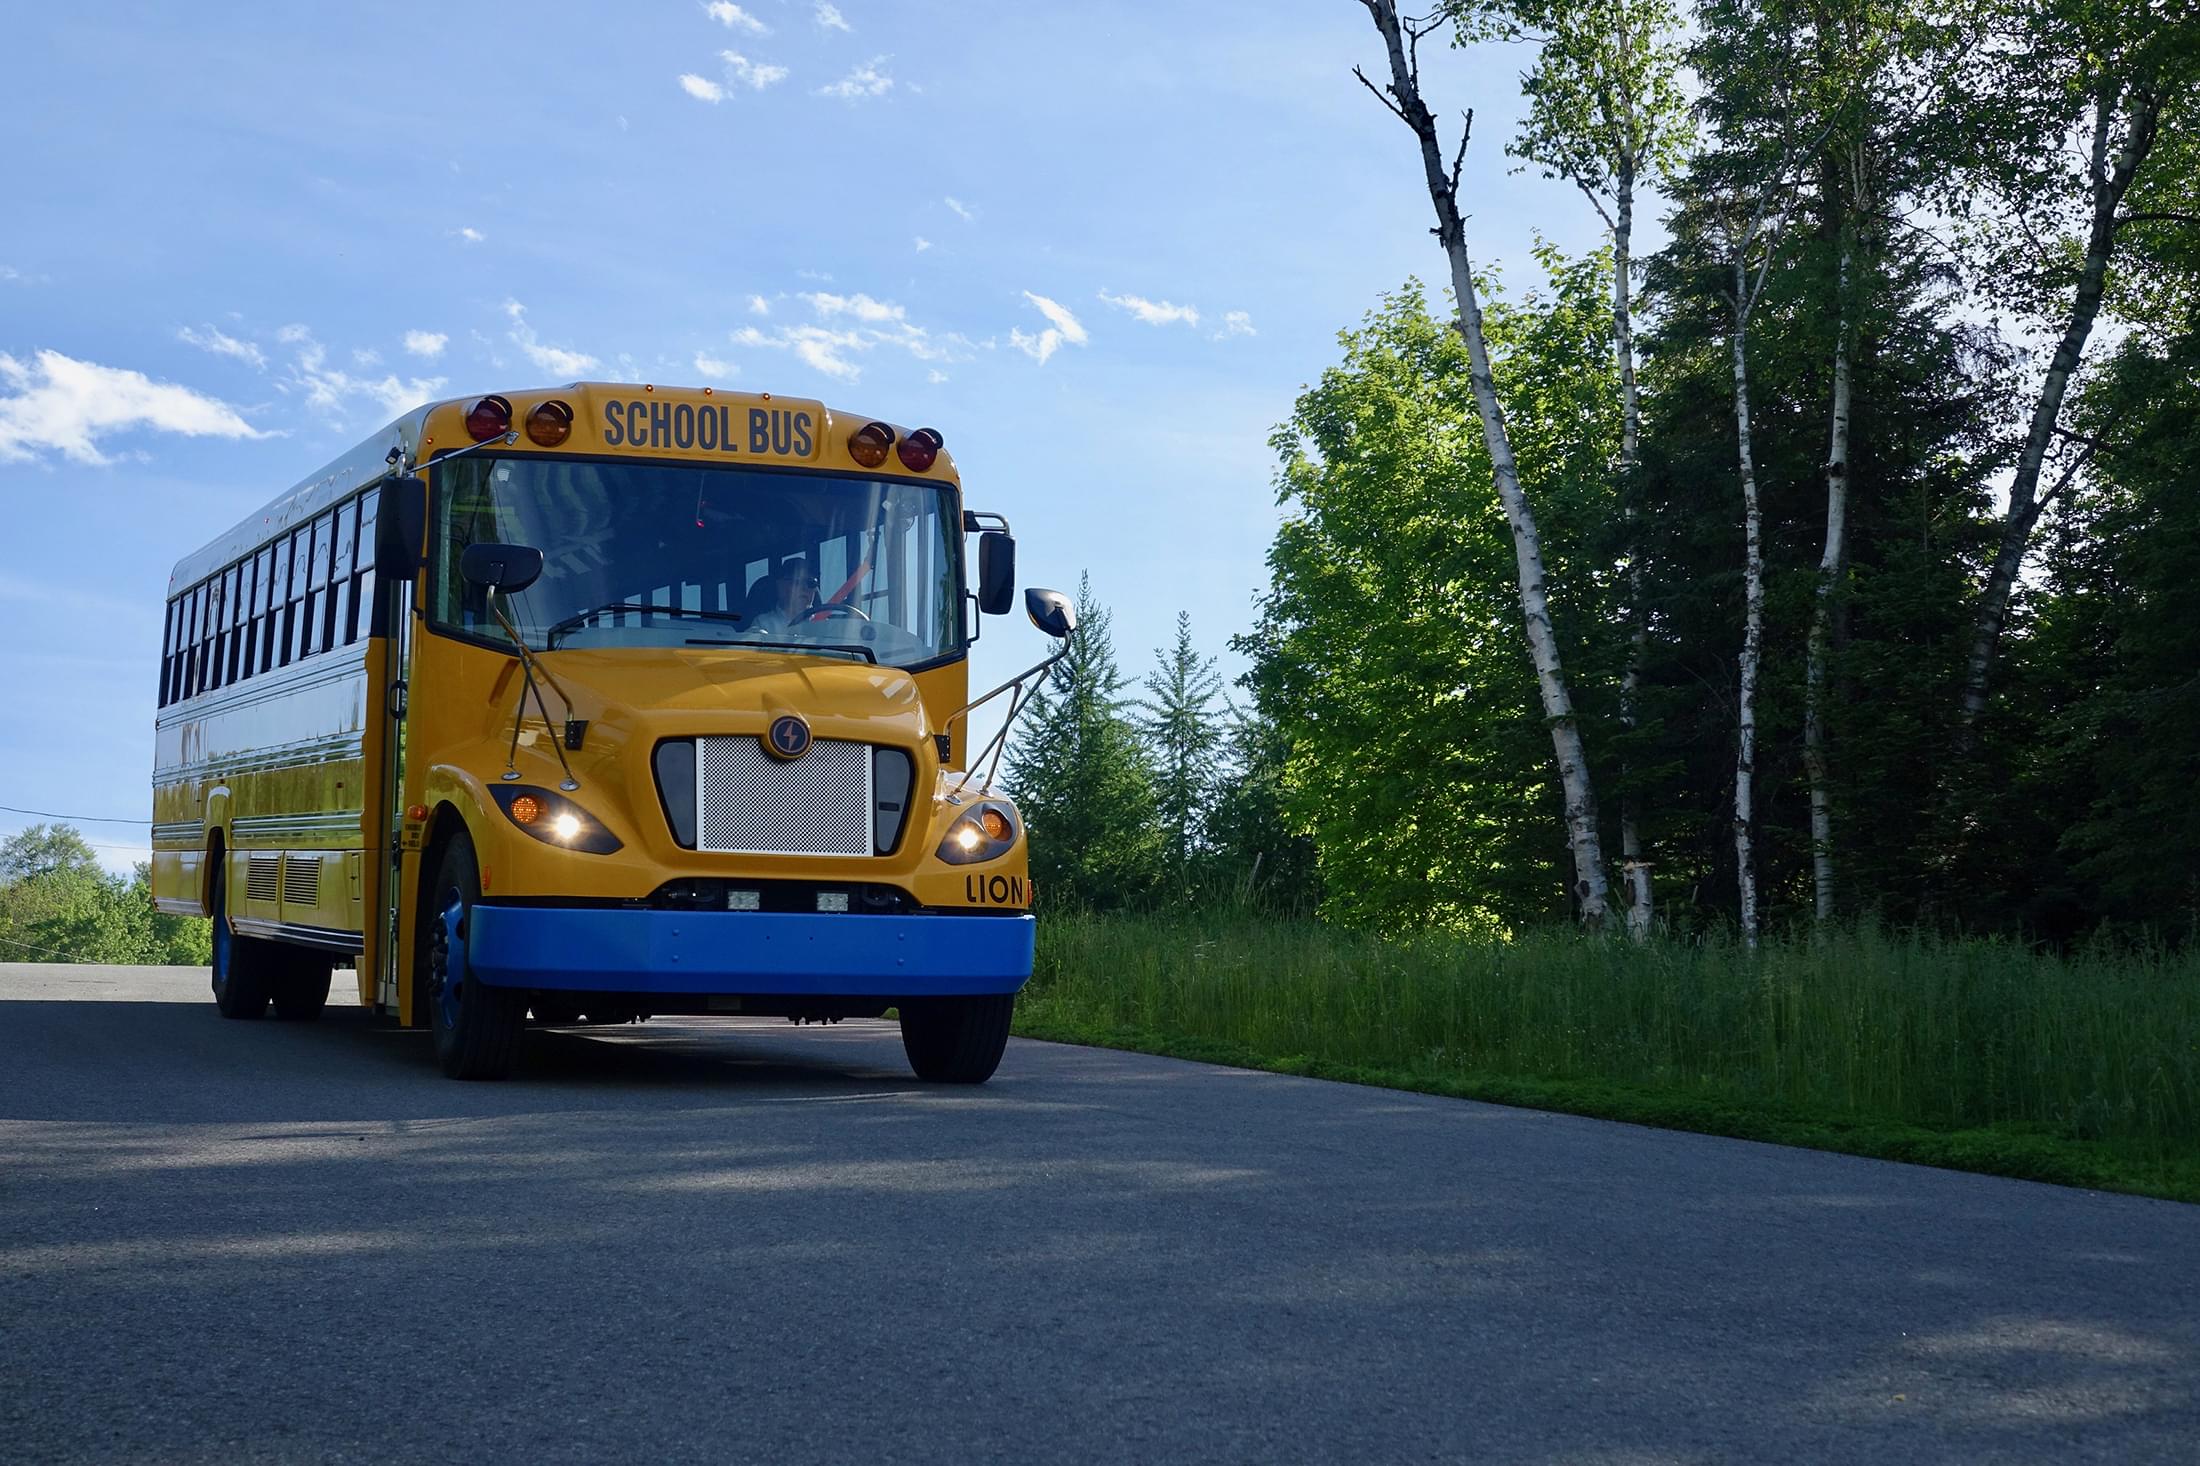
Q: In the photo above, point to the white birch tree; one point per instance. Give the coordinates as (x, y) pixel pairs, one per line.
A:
(1606, 113)
(1402, 95)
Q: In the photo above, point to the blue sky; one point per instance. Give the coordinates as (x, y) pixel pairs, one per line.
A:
(1101, 247)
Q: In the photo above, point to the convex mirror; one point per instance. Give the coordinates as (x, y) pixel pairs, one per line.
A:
(1050, 611)
(505, 568)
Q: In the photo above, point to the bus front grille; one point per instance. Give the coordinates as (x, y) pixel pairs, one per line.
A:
(754, 804)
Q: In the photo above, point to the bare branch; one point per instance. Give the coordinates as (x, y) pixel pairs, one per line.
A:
(1461, 156)
(1382, 97)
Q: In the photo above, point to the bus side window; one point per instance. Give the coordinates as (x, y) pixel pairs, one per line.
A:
(312, 571)
(240, 655)
(167, 653)
(362, 580)
(191, 643)
(336, 620)
(286, 587)
(263, 607)
(232, 621)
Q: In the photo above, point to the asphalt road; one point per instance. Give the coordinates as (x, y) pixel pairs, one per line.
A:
(711, 1241)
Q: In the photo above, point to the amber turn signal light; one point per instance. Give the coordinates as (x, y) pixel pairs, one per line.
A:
(549, 424)
(867, 445)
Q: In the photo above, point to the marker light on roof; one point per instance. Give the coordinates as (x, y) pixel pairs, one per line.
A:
(489, 418)
(920, 449)
(867, 445)
(549, 423)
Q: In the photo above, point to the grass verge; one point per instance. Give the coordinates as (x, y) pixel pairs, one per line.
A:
(1969, 1055)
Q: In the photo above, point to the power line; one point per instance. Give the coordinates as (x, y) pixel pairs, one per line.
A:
(30, 947)
(89, 819)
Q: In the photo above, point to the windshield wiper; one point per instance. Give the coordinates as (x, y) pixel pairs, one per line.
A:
(582, 618)
(795, 646)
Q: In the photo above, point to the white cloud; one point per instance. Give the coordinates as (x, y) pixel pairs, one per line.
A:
(1063, 327)
(1153, 312)
(555, 360)
(734, 18)
(9, 275)
(759, 306)
(365, 356)
(755, 75)
(867, 80)
(962, 211)
(923, 244)
(426, 344)
(1235, 323)
(222, 344)
(935, 376)
(470, 234)
(832, 348)
(710, 366)
(829, 17)
(702, 89)
(339, 392)
(861, 306)
(56, 403)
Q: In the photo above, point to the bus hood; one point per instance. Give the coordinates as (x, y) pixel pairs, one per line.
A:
(628, 693)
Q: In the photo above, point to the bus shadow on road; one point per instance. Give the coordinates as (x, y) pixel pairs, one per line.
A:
(178, 1062)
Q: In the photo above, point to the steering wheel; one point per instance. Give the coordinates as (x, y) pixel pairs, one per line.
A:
(837, 608)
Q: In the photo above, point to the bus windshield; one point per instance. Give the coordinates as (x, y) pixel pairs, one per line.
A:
(676, 555)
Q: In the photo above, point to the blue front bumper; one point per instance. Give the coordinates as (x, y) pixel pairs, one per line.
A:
(579, 949)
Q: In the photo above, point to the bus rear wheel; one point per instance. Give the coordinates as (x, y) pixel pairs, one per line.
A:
(956, 1040)
(243, 966)
(477, 1026)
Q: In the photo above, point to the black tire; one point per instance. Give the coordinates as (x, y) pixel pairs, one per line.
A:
(956, 1040)
(244, 967)
(301, 992)
(476, 1026)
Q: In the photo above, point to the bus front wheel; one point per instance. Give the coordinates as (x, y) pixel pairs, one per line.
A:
(956, 1040)
(242, 965)
(476, 1026)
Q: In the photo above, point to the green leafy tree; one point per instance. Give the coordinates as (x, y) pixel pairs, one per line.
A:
(1388, 653)
(1258, 854)
(58, 905)
(1183, 742)
(1079, 773)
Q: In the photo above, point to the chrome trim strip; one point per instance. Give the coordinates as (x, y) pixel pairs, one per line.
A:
(181, 832)
(171, 906)
(290, 931)
(331, 748)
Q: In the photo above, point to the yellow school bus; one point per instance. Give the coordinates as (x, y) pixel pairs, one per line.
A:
(598, 702)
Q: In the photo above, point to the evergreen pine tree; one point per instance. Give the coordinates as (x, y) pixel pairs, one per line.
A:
(1183, 738)
(1079, 774)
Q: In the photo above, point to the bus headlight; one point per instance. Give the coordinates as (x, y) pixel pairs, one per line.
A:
(554, 819)
(985, 832)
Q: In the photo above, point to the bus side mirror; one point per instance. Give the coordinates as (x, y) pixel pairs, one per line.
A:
(400, 529)
(996, 572)
(1050, 611)
(505, 568)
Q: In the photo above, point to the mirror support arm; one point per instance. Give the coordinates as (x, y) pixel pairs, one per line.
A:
(997, 745)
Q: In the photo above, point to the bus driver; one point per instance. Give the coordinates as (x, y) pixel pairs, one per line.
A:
(790, 593)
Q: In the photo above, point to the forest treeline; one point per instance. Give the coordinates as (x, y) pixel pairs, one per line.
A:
(57, 904)
(1830, 561)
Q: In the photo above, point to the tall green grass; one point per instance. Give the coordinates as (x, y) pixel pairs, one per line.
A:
(1852, 1031)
